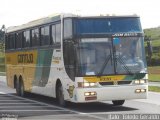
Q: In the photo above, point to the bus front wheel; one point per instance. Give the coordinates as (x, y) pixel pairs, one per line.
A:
(60, 95)
(118, 102)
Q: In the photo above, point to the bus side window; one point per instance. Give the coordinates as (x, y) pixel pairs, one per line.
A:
(58, 33)
(45, 37)
(19, 40)
(11, 41)
(6, 42)
(53, 35)
(67, 28)
(35, 37)
(26, 39)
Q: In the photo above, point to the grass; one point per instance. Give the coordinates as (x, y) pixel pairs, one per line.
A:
(154, 78)
(2, 62)
(153, 32)
(154, 74)
(1, 54)
(154, 70)
(154, 88)
(155, 53)
(154, 43)
(2, 73)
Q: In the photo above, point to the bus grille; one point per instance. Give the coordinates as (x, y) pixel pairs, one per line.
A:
(115, 83)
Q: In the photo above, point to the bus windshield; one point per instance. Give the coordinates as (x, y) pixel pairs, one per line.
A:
(107, 56)
(106, 25)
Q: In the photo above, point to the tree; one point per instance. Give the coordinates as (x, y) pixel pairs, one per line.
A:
(2, 32)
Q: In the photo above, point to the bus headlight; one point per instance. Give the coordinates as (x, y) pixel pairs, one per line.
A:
(87, 93)
(140, 81)
(86, 84)
(90, 93)
(140, 90)
(92, 84)
(136, 81)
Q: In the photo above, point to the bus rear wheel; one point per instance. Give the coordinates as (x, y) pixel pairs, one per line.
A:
(118, 102)
(20, 88)
(60, 95)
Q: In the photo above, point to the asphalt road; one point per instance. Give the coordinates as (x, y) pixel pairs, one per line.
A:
(154, 84)
(40, 107)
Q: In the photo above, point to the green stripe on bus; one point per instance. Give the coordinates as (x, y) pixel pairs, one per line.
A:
(135, 76)
(43, 67)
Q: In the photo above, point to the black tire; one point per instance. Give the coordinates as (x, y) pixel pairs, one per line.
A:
(60, 95)
(118, 102)
(20, 89)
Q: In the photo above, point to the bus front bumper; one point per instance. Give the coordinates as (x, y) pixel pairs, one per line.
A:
(110, 93)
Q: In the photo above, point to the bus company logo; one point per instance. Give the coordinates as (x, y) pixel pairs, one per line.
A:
(25, 58)
(105, 79)
(56, 60)
(124, 34)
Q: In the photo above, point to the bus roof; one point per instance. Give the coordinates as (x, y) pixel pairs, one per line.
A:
(54, 18)
(34, 23)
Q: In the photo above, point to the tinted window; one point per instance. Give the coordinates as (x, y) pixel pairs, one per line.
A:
(35, 37)
(107, 25)
(26, 35)
(19, 40)
(58, 33)
(69, 58)
(10, 41)
(53, 34)
(6, 42)
(45, 39)
(68, 28)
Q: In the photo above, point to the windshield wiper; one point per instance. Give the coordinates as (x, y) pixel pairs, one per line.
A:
(104, 65)
(121, 61)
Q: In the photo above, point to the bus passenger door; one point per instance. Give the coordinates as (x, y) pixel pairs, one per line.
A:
(69, 60)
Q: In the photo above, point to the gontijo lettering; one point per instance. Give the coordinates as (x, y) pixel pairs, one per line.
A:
(25, 58)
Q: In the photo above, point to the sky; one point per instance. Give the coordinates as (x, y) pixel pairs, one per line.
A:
(17, 12)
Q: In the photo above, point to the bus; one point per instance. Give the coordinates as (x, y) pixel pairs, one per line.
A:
(80, 59)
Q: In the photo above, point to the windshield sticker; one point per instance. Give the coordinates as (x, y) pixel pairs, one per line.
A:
(116, 41)
(90, 73)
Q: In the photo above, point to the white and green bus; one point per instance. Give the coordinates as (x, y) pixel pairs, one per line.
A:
(78, 58)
